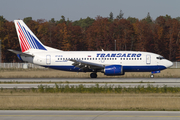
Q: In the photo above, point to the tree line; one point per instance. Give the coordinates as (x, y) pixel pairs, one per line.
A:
(159, 36)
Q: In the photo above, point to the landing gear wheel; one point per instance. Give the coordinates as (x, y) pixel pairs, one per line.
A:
(152, 76)
(93, 75)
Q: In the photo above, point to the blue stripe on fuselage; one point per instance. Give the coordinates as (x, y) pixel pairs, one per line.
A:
(65, 68)
(143, 68)
(125, 68)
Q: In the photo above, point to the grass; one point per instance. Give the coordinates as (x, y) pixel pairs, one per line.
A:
(61, 101)
(59, 88)
(65, 97)
(106, 89)
(48, 73)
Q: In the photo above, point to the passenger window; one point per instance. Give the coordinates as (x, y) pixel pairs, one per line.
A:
(160, 58)
(96, 58)
(115, 58)
(99, 58)
(84, 58)
(126, 58)
(87, 58)
(132, 58)
(140, 59)
(123, 58)
(129, 58)
(107, 58)
(112, 58)
(137, 58)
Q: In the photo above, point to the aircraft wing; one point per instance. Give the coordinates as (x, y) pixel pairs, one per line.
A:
(86, 65)
(20, 53)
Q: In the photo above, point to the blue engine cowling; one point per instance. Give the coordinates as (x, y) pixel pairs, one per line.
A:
(113, 70)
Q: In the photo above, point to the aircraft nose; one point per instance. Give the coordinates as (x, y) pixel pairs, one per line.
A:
(169, 64)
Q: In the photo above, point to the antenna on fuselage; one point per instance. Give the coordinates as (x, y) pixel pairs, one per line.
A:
(102, 50)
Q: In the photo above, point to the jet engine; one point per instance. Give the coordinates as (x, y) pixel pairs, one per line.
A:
(113, 70)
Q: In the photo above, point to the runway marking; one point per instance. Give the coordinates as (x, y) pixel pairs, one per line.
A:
(83, 116)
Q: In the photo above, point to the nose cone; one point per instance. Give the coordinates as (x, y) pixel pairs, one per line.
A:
(169, 64)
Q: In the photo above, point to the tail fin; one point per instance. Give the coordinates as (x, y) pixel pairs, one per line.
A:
(26, 37)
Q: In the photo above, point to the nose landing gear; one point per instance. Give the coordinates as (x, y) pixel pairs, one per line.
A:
(93, 75)
(151, 76)
(153, 72)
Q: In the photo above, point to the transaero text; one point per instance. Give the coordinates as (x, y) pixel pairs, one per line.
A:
(118, 55)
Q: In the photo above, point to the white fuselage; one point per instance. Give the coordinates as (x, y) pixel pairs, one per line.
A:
(130, 60)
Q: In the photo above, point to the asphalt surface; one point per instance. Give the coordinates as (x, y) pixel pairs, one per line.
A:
(88, 85)
(85, 80)
(87, 115)
(115, 82)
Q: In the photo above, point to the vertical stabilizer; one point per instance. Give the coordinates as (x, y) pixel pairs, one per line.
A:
(27, 39)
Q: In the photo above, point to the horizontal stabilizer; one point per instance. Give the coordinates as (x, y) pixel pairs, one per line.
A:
(20, 53)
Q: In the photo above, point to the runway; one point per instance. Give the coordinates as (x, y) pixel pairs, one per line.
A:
(96, 80)
(88, 85)
(88, 115)
(115, 82)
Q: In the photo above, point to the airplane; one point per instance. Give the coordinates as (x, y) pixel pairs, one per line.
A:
(111, 63)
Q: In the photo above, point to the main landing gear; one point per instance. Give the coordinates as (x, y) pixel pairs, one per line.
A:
(93, 75)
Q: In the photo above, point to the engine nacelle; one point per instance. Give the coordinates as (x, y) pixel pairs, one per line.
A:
(113, 70)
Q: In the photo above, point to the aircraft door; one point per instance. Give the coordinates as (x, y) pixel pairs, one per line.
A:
(148, 59)
(48, 59)
(102, 59)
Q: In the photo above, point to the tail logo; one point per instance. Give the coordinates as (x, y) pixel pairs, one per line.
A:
(28, 41)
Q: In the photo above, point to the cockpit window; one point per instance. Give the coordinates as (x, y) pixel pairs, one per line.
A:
(160, 57)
